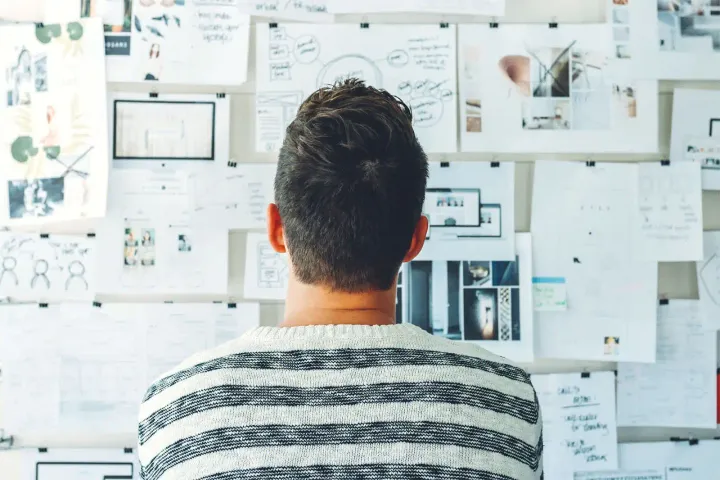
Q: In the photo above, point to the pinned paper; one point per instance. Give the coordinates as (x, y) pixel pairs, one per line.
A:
(549, 294)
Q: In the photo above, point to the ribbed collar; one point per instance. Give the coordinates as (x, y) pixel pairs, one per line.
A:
(403, 330)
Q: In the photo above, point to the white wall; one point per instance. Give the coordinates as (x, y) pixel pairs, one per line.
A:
(676, 280)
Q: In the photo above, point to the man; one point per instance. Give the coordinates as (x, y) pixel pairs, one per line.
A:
(339, 391)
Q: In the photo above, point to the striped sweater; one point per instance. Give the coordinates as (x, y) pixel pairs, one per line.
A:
(341, 402)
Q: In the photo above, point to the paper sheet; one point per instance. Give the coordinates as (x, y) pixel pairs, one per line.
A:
(235, 197)
(585, 231)
(531, 88)
(174, 42)
(54, 163)
(297, 10)
(148, 246)
(57, 381)
(415, 62)
(79, 464)
(670, 207)
(495, 8)
(695, 133)
(679, 390)
(671, 460)
(52, 268)
(174, 131)
(579, 429)
(676, 40)
(708, 278)
(471, 208)
(488, 302)
(48, 11)
(266, 272)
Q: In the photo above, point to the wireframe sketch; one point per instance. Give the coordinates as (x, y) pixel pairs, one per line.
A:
(469, 300)
(273, 269)
(417, 63)
(459, 213)
(164, 130)
(689, 25)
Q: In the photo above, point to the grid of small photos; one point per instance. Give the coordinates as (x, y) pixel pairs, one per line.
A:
(620, 15)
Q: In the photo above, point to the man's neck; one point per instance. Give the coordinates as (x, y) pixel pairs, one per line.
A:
(314, 305)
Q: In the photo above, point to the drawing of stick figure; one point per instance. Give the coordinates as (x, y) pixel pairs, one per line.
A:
(8, 267)
(40, 268)
(77, 272)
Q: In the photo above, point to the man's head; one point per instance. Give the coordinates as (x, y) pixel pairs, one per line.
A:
(349, 189)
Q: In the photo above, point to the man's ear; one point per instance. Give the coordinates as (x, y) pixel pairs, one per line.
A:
(275, 229)
(418, 239)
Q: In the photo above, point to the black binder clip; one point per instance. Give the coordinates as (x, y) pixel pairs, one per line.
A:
(444, 25)
(44, 235)
(273, 25)
(232, 164)
(42, 305)
(444, 164)
(585, 375)
(153, 95)
(97, 304)
(39, 25)
(665, 163)
(127, 450)
(494, 164)
(6, 441)
(589, 163)
(664, 301)
(42, 450)
(220, 95)
(553, 25)
(232, 305)
(90, 235)
(364, 25)
(494, 25)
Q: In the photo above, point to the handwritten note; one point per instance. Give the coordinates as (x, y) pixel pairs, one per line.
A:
(679, 389)
(580, 432)
(308, 10)
(670, 209)
(549, 294)
(708, 275)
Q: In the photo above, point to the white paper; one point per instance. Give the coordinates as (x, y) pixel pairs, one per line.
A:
(235, 197)
(50, 268)
(676, 40)
(487, 302)
(415, 62)
(679, 390)
(696, 132)
(585, 230)
(54, 167)
(579, 428)
(79, 369)
(670, 207)
(171, 131)
(177, 42)
(48, 11)
(148, 246)
(471, 208)
(549, 294)
(518, 93)
(266, 272)
(79, 464)
(495, 8)
(296, 10)
(708, 278)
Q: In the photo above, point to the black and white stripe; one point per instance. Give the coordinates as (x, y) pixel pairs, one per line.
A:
(339, 359)
(428, 392)
(341, 434)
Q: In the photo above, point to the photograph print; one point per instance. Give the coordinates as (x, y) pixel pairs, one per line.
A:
(689, 25)
(35, 198)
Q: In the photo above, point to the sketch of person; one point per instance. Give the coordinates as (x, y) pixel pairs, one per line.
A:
(51, 139)
(154, 66)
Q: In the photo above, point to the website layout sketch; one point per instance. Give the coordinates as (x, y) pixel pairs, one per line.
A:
(470, 300)
(80, 464)
(272, 268)
(266, 271)
(459, 213)
(163, 130)
(416, 61)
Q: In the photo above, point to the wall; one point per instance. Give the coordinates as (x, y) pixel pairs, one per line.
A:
(677, 280)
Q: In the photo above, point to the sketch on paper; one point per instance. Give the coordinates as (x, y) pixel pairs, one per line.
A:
(619, 12)
(417, 63)
(55, 165)
(116, 16)
(525, 87)
(309, 10)
(163, 130)
(41, 268)
(689, 25)
(272, 268)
